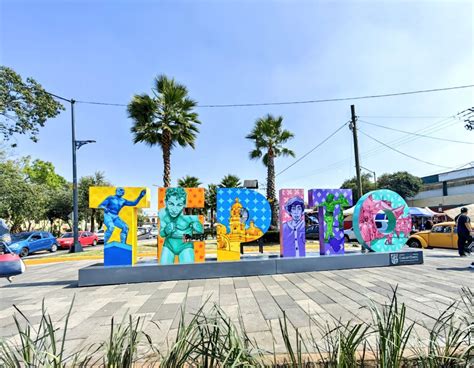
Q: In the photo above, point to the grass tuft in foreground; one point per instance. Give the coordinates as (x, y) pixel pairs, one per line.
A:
(210, 339)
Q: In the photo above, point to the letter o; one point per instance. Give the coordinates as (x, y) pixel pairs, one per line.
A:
(389, 233)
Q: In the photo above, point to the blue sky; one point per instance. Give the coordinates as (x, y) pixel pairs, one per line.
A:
(248, 51)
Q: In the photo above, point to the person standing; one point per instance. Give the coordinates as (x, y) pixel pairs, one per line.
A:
(463, 223)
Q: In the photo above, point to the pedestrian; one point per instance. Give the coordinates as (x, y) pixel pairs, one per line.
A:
(428, 225)
(463, 224)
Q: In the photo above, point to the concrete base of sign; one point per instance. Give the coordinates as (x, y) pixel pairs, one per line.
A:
(151, 272)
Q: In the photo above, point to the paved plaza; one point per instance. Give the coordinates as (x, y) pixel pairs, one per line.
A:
(258, 301)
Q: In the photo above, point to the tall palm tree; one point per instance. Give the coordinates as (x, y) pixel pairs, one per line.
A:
(211, 201)
(269, 138)
(189, 182)
(230, 181)
(166, 119)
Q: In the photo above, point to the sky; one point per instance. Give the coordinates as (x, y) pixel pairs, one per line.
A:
(231, 52)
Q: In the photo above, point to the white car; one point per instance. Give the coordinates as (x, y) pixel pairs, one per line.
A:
(154, 232)
(100, 236)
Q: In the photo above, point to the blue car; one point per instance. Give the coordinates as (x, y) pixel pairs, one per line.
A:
(34, 241)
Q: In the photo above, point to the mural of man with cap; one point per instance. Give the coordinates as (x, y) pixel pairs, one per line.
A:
(293, 231)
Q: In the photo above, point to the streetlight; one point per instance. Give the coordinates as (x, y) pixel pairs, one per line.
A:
(373, 172)
(76, 247)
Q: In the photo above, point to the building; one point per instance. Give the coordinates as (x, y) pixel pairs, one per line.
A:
(446, 190)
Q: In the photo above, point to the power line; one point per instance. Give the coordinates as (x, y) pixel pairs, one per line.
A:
(401, 152)
(300, 102)
(404, 117)
(312, 149)
(442, 124)
(416, 134)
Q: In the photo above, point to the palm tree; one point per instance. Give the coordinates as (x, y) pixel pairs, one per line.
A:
(164, 119)
(230, 181)
(189, 182)
(269, 137)
(211, 201)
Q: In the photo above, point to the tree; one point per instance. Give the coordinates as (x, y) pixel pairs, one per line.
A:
(189, 182)
(230, 181)
(367, 185)
(142, 218)
(269, 138)
(211, 201)
(402, 182)
(24, 105)
(59, 206)
(20, 200)
(43, 173)
(96, 180)
(166, 119)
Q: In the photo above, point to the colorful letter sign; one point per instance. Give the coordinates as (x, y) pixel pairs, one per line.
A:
(393, 219)
(120, 207)
(292, 223)
(331, 203)
(175, 239)
(243, 215)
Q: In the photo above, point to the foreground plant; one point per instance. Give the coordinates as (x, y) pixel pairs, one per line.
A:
(42, 346)
(211, 339)
(450, 343)
(392, 332)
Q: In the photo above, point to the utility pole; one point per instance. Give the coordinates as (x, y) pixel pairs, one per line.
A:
(353, 127)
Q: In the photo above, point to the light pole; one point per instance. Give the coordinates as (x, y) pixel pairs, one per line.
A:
(373, 172)
(76, 247)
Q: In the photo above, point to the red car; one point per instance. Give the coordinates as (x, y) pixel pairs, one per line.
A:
(86, 238)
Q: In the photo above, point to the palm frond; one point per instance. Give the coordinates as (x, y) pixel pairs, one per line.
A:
(255, 154)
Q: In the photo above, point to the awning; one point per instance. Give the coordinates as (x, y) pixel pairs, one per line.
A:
(429, 210)
(349, 211)
(453, 212)
(420, 212)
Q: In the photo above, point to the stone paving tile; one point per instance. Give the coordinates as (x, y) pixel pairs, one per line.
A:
(151, 305)
(166, 311)
(258, 301)
(108, 310)
(241, 282)
(177, 297)
(227, 299)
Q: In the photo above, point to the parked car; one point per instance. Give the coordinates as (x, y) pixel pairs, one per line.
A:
(32, 241)
(312, 232)
(442, 235)
(154, 232)
(144, 233)
(85, 238)
(100, 236)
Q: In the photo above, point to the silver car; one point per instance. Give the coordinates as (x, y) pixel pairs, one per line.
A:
(100, 236)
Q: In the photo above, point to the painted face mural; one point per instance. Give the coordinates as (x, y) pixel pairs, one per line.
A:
(331, 203)
(120, 207)
(243, 215)
(177, 230)
(383, 221)
(292, 223)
